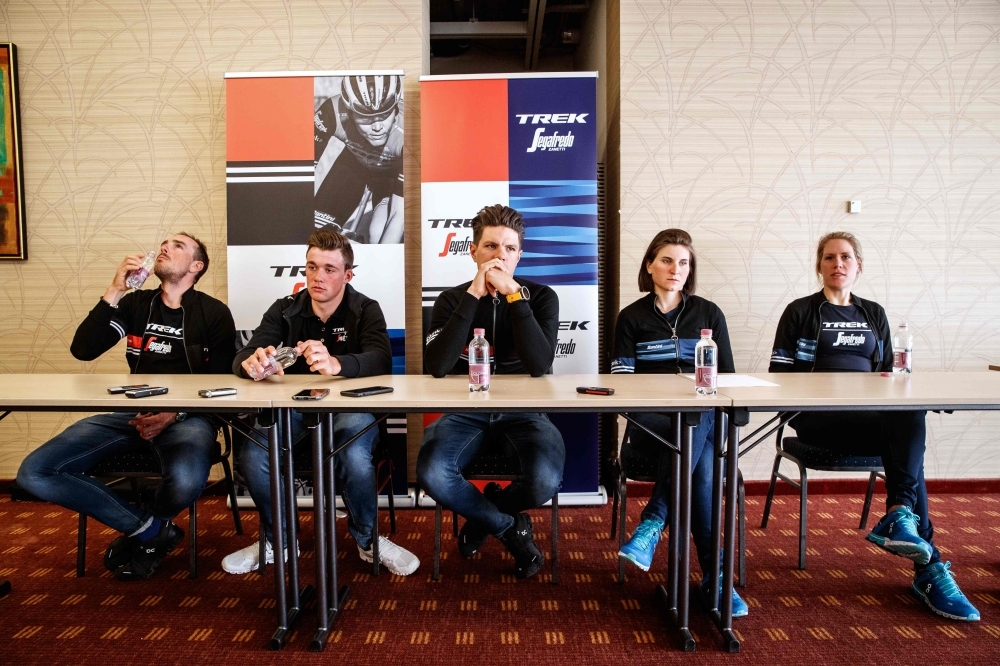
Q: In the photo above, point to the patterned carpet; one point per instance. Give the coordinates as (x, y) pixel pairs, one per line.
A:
(851, 605)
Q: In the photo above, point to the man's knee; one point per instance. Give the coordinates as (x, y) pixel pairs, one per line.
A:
(32, 476)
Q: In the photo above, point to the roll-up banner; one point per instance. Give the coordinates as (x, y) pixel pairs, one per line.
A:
(308, 151)
(528, 141)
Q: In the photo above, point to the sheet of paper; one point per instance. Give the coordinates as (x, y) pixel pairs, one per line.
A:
(737, 381)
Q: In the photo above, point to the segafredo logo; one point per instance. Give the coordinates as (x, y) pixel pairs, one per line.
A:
(454, 246)
(565, 349)
(553, 143)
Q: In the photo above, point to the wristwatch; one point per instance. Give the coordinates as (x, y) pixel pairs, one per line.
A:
(519, 295)
(181, 417)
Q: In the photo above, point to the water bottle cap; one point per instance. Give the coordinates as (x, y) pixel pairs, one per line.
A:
(706, 332)
(479, 331)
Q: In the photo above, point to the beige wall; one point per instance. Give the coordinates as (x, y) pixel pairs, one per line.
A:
(752, 124)
(123, 118)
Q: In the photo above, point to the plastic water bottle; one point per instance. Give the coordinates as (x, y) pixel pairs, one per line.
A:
(282, 357)
(479, 362)
(902, 350)
(706, 364)
(135, 279)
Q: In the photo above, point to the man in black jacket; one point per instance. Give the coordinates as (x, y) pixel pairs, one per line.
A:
(521, 320)
(337, 331)
(170, 330)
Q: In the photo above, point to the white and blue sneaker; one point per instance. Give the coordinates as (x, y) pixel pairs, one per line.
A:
(740, 608)
(937, 587)
(897, 533)
(641, 547)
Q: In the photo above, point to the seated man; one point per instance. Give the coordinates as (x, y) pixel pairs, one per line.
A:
(173, 329)
(338, 331)
(521, 320)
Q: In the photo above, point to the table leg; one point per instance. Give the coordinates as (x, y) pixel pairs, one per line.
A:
(335, 596)
(675, 502)
(299, 597)
(4, 588)
(712, 601)
(319, 525)
(277, 641)
(724, 619)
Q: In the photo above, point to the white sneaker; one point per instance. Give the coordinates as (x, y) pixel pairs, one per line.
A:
(246, 560)
(394, 558)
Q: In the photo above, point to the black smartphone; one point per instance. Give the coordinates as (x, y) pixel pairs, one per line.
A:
(595, 390)
(368, 390)
(146, 392)
(311, 394)
(118, 390)
(215, 393)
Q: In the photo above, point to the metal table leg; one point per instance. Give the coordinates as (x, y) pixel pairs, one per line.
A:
(283, 511)
(277, 641)
(712, 600)
(679, 565)
(330, 598)
(724, 618)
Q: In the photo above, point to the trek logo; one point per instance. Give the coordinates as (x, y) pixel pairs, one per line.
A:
(554, 143)
(849, 339)
(157, 347)
(451, 223)
(292, 270)
(168, 330)
(565, 349)
(845, 324)
(573, 325)
(338, 334)
(552, 118)
(455, 247)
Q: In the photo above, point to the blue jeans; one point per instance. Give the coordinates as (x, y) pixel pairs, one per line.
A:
(453, 441)
(353, 466)
(641, 446)
(900, 437)
(57, 470)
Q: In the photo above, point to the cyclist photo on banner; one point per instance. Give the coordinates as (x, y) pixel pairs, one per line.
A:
(358, 130)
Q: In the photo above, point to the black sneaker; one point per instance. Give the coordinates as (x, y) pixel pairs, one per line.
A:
(519, 541)
(119, 552)
(472, 536)
(148, 555)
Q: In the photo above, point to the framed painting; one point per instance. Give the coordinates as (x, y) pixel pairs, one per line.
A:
(13, 236)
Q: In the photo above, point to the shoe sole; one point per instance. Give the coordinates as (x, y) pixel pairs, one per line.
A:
(631, 560)
(399, 572)
(901, 548)
(240, 572)
(927, 601)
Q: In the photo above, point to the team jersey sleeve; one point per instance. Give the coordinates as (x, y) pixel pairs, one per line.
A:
(102, 329)
(446, 336)
(623, 353)
(720, 334)
(785, 342)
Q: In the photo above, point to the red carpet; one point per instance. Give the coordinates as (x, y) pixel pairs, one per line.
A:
(851, 606)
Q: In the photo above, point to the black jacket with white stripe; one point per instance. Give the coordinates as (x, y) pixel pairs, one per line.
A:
(209, 331)
(797, 336)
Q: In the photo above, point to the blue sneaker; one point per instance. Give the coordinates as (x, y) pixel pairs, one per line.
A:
(740, 608)
(640, 548)
(937, 587)
(897, 533)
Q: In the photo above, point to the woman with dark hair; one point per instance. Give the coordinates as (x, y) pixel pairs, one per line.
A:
(835, 330)
(657, 334)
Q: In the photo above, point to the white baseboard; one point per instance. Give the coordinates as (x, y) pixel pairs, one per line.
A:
(599, 497)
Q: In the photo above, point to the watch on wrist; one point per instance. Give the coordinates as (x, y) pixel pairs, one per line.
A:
(181, 417)
(521, 294)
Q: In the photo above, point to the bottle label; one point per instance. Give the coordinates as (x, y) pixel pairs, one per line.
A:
(705, 377)
(902, 359)
(479, 374)
(136, 278)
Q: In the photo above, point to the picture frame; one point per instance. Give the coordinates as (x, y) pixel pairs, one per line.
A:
(13, 231)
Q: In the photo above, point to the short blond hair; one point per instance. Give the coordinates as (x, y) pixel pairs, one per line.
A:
(839, 235)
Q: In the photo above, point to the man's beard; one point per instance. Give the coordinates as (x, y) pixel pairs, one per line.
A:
(168, 275)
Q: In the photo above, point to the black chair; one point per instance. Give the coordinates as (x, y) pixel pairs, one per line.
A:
(494, 465)
(144, 464)
(384, 467)
(645, 468)
(806, 457)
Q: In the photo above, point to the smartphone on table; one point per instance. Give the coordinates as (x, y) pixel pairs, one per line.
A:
(368, 390)
(118, 390)
(311, 394)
